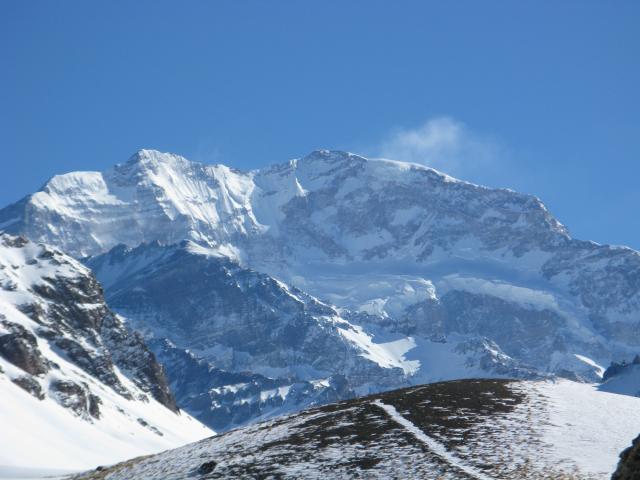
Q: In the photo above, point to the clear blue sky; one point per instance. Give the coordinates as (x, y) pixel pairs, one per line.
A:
(542, 97)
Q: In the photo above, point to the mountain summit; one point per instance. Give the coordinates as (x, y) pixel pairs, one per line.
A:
(374, 207)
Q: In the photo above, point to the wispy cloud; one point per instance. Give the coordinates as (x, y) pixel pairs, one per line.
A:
(445, 144)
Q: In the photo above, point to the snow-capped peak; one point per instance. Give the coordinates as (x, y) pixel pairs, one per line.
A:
(145, 160)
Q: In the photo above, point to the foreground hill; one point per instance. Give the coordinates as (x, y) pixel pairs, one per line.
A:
(467, 429)
(77, 387)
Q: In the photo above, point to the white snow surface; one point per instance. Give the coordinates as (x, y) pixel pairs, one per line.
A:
(598, 368)
(22, 473)
(42, 434)
(535, 299)
(386, 354)
(586, 426)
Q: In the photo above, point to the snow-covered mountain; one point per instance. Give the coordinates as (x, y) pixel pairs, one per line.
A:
(374, 235)
(77, 387)
(386, 273)
(462, 430)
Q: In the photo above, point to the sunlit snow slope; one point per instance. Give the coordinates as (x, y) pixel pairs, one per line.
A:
(77, 388)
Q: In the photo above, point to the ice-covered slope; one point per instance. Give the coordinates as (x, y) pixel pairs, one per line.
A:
(470, 429)
(328, 205)
(44, 434)
(77, 388)
(153, 196)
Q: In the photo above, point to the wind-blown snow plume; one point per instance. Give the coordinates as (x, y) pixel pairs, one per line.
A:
(444, 144)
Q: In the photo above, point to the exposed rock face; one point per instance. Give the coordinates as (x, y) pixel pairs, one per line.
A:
(21, 348)
(76, 398)
(617, 368)
(56, 308)
(236, 321)
(226, 399)
(629, 466)
(29, 384)
(250, 317)
(130, 353)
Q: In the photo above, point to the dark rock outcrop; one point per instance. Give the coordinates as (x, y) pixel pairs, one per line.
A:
(616, 368)
(31, 385)
(77, 398)
(629, 465)
(68, 314)
(20, 347)
(224, 400)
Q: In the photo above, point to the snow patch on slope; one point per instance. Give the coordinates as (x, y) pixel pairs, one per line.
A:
(598, 368)
(528, 297)
(388, 355)
(587, 426)
(626, 382)
(41, 433)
